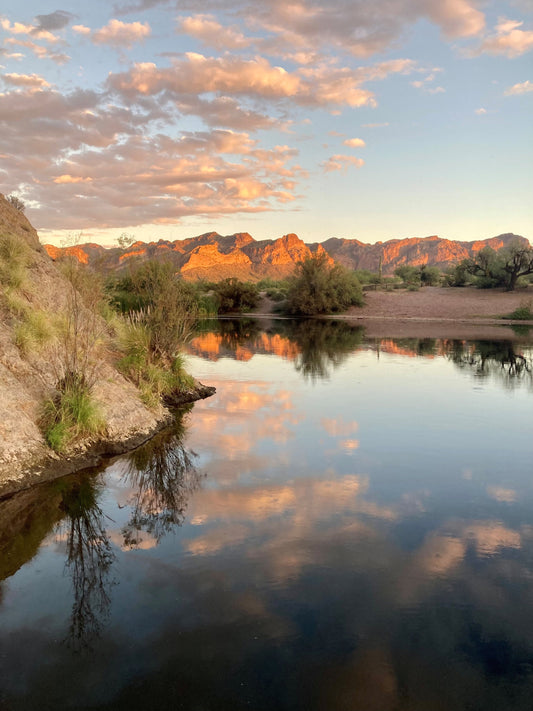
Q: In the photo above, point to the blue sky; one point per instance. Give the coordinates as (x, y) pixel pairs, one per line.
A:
(167, 119)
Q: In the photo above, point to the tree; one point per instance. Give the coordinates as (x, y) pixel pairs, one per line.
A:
(234, 295)
(17, 203)
(125, 240)
(319, 288)
(502, 268)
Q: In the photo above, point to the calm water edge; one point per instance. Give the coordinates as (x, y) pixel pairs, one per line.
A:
(346, 525)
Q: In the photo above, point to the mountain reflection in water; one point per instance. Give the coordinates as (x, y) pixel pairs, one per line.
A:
(346, 524)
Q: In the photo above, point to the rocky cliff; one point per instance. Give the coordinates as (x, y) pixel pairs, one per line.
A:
(212, 256)
(34, 301)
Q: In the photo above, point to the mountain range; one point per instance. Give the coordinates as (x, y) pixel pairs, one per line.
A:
(213, 257)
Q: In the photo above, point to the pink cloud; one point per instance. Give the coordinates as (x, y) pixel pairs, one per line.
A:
(119, 34)
(508, 40)
(354, 143)
(26, 80)
(211, 33)
(340, 162)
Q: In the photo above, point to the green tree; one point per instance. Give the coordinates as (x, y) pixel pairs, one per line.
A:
(319, 288)
(235, 295)
(500, 269)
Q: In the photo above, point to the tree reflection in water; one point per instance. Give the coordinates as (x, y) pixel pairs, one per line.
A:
(493, 358)
(163, 477)
(323, 344)
(89, 559)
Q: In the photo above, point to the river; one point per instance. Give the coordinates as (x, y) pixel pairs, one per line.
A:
(346, 524)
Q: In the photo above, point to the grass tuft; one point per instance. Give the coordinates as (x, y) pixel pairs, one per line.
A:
(69, 416)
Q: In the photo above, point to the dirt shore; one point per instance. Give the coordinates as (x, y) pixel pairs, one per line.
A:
(436, 312)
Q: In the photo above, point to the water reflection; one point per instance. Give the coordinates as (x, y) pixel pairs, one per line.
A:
(361, 542)
(501, 359)
(162, 477)
(89, 559)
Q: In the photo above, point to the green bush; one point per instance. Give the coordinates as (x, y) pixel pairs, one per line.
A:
(234, 295)
(319, 288)
(523, 313)
(70, 415)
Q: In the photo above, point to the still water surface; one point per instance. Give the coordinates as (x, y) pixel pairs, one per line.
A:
(346, 524)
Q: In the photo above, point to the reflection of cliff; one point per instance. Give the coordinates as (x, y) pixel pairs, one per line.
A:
(313, 345)
(162, 477)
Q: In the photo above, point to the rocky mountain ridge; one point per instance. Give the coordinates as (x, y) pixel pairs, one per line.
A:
(212, 256)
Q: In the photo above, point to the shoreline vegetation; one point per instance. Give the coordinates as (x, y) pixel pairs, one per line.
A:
(92, 365)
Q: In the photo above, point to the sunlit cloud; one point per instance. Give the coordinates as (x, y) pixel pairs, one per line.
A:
(519, 89)
(481, 111)
(211, 33)
(508, 40)
(354, 143)
(39, 51)
(117, 33)
(340, 162)
(26, 80)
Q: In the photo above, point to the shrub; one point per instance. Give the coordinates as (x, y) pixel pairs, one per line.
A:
(234, 295)
(33, 332)
(14, 259)
(523, 313)
(70, 414)
(17, 203)
(319, 288)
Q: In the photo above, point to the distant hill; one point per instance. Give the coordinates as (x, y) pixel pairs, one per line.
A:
(212, 256)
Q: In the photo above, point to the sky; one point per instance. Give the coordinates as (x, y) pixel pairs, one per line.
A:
(166, 119)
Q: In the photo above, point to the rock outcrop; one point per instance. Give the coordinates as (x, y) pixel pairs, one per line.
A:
(213, 257)
(28, 375)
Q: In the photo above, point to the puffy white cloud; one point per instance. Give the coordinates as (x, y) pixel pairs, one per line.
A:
(518, 89)
(340, 162)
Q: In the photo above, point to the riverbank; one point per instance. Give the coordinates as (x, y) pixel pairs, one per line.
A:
(433, 312)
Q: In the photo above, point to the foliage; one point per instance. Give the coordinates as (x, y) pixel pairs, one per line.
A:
(318, 288)
(33, 332)
(523, 313)
(17, 203)
(125, 240)
(418, 276)
(233, 295)
(503, 268)
(70, 414)
(14, 259)
(322, 344)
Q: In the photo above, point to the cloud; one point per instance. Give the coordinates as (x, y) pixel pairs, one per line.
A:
(508, 40)
(39, 51)
(117, 33)
(195, 74)
(211, 33)
(53, 21)
(518, 89)
(27, 80)
(340, 162)
(376, 125)
(354, 143)
(481, 111)
(19, 28)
